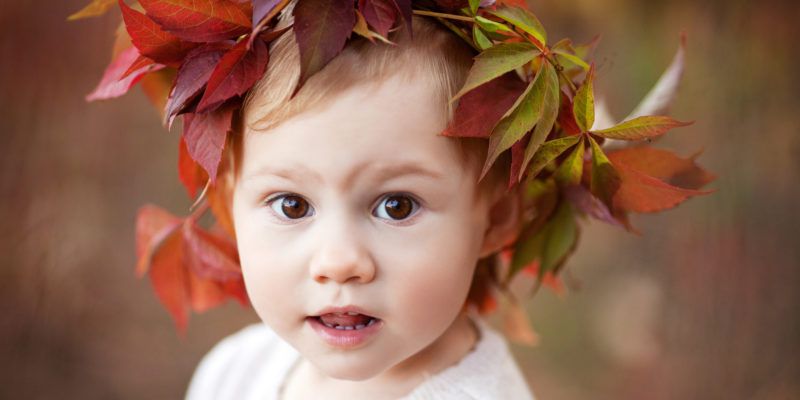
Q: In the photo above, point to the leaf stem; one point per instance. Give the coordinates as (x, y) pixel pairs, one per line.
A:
(560, 69)
(443, 15)
(458, 32)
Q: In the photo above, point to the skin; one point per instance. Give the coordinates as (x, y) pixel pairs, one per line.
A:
(343, 158)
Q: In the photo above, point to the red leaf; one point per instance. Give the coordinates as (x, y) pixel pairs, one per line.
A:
(192, 77)
(235, 73)
(321, 28)
(170, 280)
(191, 174)
(210, 256)
(663, 165)
(480, 109)
(153, 226)
(586, 202)
(380, 14)
(566, 118)
(205, 137)
(112, 84)
(200, 20)
(138, 64)
(152, 41)
(641, 193)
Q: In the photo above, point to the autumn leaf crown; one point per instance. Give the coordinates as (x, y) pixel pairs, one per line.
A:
(525, 95)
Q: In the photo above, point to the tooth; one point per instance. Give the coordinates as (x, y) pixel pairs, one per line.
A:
(349, 328)
(360, 326)
(352, 313)
(328, 325)
(339, 327)
(371, 321)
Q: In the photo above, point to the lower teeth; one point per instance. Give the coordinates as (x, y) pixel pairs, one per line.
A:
(349, 327)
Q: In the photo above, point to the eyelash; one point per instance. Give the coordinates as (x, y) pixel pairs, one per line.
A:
(416, 206)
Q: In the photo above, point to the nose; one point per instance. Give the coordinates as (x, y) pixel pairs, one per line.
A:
(341, 256)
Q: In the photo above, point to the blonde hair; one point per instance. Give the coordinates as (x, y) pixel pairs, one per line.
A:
(432, 53)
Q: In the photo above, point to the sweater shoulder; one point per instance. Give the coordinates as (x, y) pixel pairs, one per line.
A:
(233, 367)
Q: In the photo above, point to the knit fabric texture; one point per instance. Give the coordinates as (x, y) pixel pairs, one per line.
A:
(254, 362)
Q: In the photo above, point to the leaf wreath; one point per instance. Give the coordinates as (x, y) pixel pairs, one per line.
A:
(197, 58)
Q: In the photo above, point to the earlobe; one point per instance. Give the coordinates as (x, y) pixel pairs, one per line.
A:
(503, 222)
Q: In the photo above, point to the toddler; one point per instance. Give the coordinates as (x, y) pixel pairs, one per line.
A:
(359, 228)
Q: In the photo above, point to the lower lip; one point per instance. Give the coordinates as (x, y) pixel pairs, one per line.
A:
(345, 339)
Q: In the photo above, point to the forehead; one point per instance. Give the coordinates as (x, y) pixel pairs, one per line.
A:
(369, 128)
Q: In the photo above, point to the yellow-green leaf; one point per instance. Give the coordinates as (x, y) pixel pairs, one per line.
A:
(641, 128)
(480, 38)
(583, 105)
(549, 113)
(549, 151)
(491, 26)
(473, 6)
(518, 121)
(550, 245)
(93, 9)
(571, 169)
(572, 58)
(496, 61)
(523, 19)
(605, 178)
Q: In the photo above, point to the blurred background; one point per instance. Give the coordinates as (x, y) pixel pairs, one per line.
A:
(703, 306)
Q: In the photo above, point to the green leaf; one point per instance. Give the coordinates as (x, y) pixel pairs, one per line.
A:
(480, 38)
(550, 245)
(518, 121)
(641, 128)
(491, 26)
(605, 178)
(549, 113)
(496, 61)
(549, 151)
(583, 105)
(571, 169)
(572, 58)
(523, 19)
(473, 6)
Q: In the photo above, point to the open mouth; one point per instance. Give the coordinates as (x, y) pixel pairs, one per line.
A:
(346, 321)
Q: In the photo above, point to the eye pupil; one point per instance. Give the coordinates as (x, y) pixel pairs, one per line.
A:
(294, 207)
(398, 207)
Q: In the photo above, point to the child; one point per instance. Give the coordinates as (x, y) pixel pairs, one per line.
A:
(368, 213)
(359, 228)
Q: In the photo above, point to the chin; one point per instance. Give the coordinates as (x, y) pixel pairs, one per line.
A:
(349, 368)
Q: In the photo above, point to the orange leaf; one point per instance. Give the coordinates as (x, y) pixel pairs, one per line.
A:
(170, 280)
(209, 255)
(154, 226)
(642, 193)
(204, 294)
(663, 165)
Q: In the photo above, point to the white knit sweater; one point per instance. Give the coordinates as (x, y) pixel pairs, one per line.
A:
(253, 363)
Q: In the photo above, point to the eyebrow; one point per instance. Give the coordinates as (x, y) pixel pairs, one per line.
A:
(300, 172)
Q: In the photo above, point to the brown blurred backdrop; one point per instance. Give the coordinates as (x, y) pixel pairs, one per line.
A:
(703, 306)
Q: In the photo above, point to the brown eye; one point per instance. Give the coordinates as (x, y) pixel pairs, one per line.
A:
(396, 207)
(290, 206)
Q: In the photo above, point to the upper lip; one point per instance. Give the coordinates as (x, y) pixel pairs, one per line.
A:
(343, 310)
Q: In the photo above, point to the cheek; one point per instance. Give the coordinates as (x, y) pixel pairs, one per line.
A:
(433, 277)
(267, 276)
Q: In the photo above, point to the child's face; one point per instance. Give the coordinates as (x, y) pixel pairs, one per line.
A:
(359, 203)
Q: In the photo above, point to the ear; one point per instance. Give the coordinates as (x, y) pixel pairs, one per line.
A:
(503, 226)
